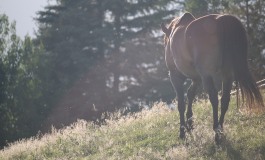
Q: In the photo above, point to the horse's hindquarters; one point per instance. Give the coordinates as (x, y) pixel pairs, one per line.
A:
(203, 43)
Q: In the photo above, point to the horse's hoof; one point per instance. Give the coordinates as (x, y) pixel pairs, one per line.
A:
(218, 139)
(182, 136)
(190, 124)
(218, 135)
(182, 132)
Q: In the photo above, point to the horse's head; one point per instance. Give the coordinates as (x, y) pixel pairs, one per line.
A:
(177, 22)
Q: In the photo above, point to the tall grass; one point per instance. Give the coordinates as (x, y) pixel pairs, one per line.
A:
(150, 134)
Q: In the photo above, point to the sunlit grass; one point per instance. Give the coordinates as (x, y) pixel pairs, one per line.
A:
(150, 134)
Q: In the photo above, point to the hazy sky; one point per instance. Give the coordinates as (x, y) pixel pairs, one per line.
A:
(23, 12)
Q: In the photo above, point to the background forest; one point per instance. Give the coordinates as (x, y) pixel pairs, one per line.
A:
(95, 56)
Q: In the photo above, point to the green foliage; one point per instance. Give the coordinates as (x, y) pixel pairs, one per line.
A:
(197, 8)
(10, 51)
(19, 84)
(150, 134)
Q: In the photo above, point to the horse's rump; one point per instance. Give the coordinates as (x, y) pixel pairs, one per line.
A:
(202, 40)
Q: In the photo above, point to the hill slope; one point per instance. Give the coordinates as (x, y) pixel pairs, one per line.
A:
(151, 134)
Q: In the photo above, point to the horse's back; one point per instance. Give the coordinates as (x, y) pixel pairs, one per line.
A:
(203, 25)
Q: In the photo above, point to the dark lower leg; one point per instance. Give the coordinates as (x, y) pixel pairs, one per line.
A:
(214, 102)
(181, 109)
(191, 95)
(225, 100)
(213, 96)
(177, 81)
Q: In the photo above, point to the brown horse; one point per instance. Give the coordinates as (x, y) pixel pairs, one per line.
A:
(210, 50)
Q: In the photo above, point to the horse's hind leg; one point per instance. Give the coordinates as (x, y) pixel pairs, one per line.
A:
(191, 95)
(227, 85)
(177, 80)
(213, 96)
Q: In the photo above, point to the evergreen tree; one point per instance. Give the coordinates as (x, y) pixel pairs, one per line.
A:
(88, 44)
(197, 8)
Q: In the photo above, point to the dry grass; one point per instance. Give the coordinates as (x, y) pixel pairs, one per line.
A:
(150, 134)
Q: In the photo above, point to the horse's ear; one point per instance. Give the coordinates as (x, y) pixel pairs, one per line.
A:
(187, 17)
(188, 14)
(165, 29)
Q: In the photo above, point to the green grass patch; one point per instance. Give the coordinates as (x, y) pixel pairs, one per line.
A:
(150, 134)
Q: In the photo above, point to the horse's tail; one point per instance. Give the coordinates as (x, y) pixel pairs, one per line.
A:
(234, 46)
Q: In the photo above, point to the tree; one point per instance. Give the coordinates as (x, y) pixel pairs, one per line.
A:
(197, 8)
(20, 114)
(10, 50)
(109, 49)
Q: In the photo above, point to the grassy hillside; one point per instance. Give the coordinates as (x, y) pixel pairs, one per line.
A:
(151, 134)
